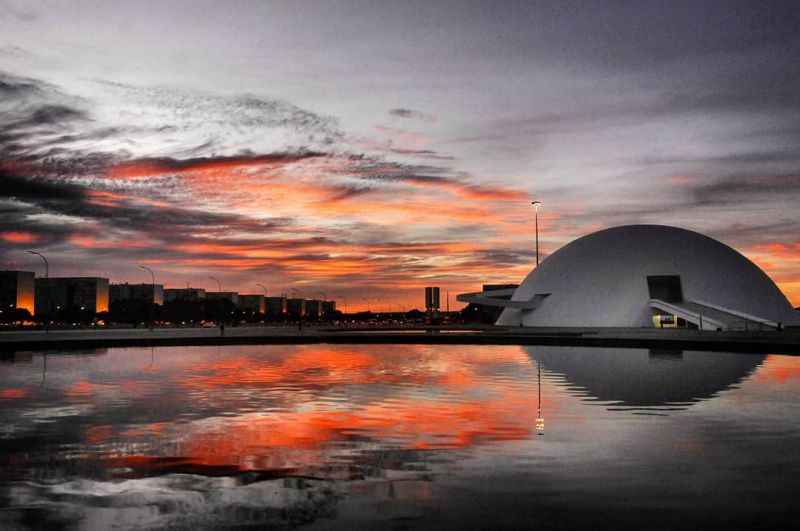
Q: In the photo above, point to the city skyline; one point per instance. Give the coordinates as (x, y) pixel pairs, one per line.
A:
(373, 149)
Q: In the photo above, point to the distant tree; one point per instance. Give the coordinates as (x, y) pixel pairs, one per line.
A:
(363, 316)
(415, 314)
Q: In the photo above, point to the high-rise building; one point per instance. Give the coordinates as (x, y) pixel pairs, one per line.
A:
(17, 290)
(78, 293)
(275, 306)
(328, 308)
(432, 298)
(232, 296)
(153, 293)
(252, 303)
(184, 294)
(313, 308)
(296, 307)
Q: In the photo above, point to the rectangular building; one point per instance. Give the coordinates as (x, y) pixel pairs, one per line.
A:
(153, 293)
(313, 308)
(232, 296)
(88, 294)
(252, 303)
(328, 308)
(17, 290)
(184, 294)
(275, 306)
(296, 307)
(432, 298)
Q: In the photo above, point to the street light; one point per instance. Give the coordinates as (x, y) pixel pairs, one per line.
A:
(219, 284)
(152, 278)
(47, 289)
(46, 264)
(262, 286)
(536, 206)
(153, 290)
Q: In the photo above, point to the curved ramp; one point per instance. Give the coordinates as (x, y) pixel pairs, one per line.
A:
(711, 317)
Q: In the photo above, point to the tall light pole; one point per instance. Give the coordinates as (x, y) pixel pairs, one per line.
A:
(152, 279)
(153, 289)
(219, 284)
(46, 264)
(262, 286)
(536, 206)
(47, 290)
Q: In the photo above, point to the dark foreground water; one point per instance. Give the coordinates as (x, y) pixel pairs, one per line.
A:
(398, 437)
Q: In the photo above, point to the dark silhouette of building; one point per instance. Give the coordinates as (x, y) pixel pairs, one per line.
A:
(313, 308)
(275, 307)
(252, 303)
(432, 298)
(17, 291)
(296, 308)
(223, 295)
(184, 294)
(152, 293)
(328, 308)
(85, 294)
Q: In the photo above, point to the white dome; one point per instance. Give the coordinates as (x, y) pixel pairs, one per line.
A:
(602, 280)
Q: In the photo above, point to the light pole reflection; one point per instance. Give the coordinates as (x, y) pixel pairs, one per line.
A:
(539, 418)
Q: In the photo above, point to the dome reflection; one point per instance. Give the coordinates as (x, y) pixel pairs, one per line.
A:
(634, 378)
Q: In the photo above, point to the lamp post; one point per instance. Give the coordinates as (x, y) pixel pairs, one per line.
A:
(46, 275)
(219, 284)
(536, 206)
(152, 279)
(262, 286)
(46, 264)
(153, 288)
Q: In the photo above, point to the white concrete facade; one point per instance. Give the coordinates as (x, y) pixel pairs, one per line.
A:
(602, 280)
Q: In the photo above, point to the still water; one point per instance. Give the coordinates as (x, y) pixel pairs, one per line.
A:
(398, 437)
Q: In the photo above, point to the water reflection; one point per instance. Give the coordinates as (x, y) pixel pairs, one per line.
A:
(352, 435)
(646, 379)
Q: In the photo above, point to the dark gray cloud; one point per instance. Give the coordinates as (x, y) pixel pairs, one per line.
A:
(743, 190)
(412, 114)
(37, 189)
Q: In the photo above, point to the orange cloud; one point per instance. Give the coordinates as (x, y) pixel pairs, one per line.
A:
(13, 393)
(19, 237)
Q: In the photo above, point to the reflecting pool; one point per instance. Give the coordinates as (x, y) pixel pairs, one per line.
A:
(397, 437)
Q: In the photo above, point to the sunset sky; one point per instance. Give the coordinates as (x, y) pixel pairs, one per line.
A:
(369, 149)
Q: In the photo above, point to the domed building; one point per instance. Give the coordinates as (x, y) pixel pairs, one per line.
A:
(645, 276)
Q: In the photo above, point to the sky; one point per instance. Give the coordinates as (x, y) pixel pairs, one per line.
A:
(364, 150)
